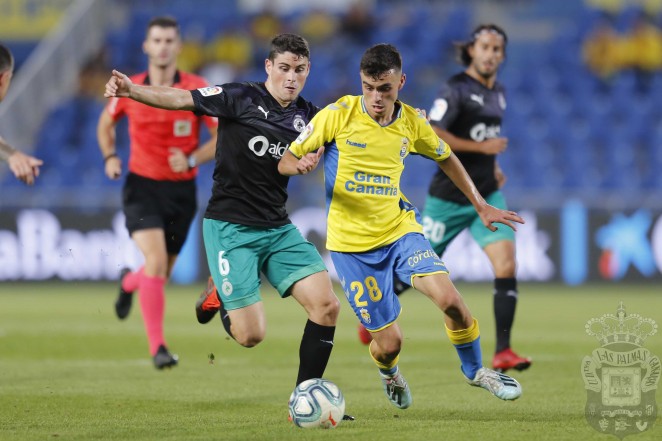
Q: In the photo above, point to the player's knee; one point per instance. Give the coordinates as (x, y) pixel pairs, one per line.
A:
(391, 347)
(249, 335)
(505, 268)
(332, 308)
(248, 339)
(388, 341)
(156, 266)
(450, 300)
(326, 311)
(454, 307)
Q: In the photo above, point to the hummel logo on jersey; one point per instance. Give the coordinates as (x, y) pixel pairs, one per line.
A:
(263, 111)
(477, 98)
(360, 145)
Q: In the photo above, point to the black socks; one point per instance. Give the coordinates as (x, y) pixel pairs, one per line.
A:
(315, 350)
(505, 301)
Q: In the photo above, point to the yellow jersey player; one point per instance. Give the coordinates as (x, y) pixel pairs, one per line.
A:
(374, 233)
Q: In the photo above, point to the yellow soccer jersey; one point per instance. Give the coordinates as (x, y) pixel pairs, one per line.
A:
(363, 163)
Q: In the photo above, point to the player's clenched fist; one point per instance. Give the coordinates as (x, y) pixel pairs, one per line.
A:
(309, 162)
(118, 85)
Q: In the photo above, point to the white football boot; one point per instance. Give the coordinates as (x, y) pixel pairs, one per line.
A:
(397, 389)
(498, 384)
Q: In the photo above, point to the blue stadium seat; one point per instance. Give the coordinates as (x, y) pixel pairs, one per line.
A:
(51, 177)
(117, 43)
(566, 127)
(21, 50)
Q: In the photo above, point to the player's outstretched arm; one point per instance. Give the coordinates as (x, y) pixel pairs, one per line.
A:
(170, 98)
(488, 214)
(24, 167)
(290, 165)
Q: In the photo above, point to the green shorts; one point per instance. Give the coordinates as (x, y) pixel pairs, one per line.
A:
(444, 220)
(236, 255)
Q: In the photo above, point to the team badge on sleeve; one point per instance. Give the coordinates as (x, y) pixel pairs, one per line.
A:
(305, 134)
(209, 91)
(439, 109)
(442, 149)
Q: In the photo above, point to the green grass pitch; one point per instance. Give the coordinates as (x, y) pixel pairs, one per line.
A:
(69, 370)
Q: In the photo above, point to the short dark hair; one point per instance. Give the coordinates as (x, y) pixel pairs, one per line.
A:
(463, 47)
(6, 59)
(293, 43)
(163, 22)
(379, 59)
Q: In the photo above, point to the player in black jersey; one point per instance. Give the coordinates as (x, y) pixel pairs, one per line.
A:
(246, 227)
(467, 115)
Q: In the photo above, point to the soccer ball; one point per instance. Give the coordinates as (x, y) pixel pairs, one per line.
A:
(316, 403)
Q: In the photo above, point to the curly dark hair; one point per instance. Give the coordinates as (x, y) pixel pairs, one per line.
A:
(462, 48)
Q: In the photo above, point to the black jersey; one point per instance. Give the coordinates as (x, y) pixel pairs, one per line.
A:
(254, 131)
(469, 110)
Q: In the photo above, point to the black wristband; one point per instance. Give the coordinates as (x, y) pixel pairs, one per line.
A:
(112, 155)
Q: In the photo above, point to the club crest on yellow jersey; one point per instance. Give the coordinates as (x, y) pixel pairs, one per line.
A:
(404, 148)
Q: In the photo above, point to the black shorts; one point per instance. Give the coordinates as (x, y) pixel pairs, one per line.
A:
(168, 205)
